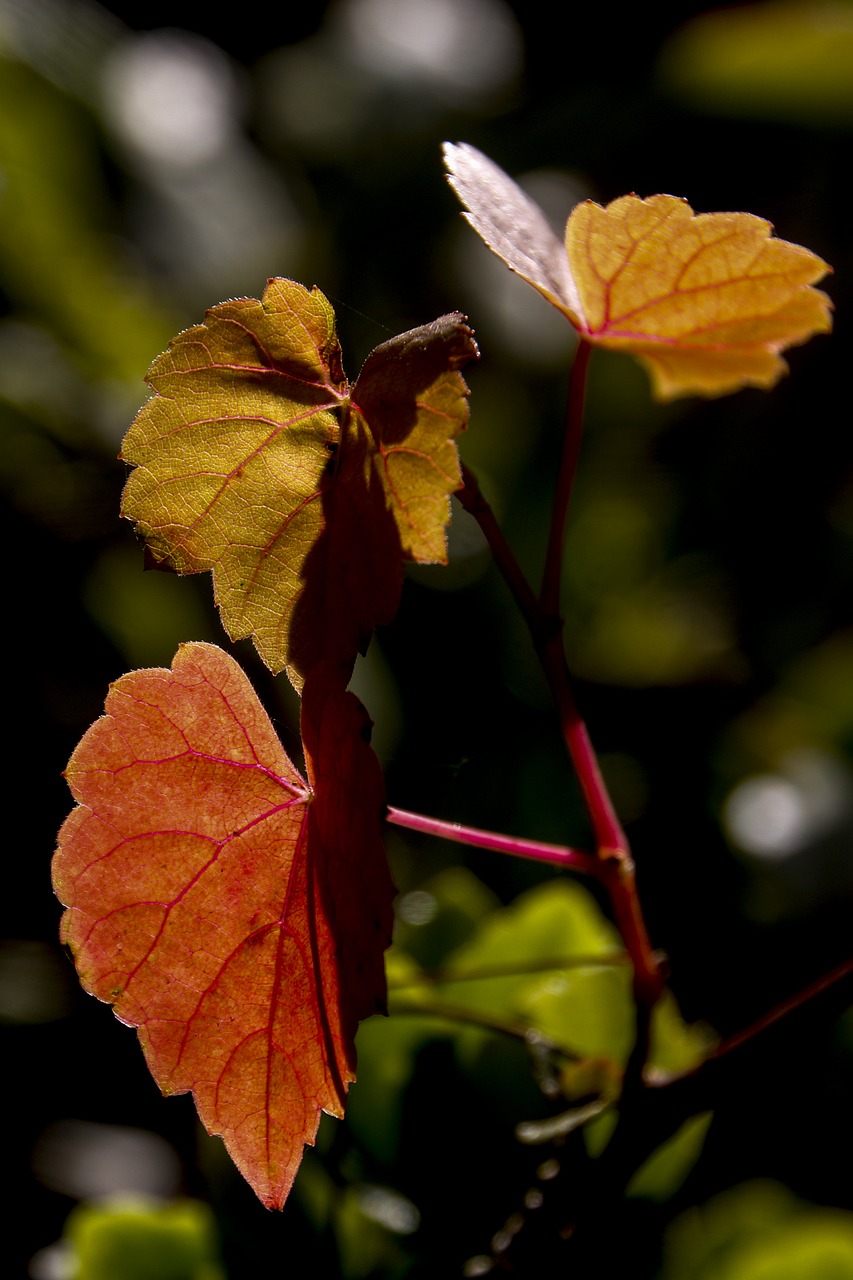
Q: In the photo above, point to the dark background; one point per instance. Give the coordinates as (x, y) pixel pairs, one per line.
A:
(708, 581)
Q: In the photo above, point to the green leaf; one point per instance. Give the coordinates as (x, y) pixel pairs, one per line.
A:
(786, 60)
(552, 961)
(548, 953)
(659, 1177)
(132, 1239)
(759, 1231)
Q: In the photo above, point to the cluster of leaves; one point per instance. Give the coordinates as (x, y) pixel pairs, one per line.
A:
(234, 911)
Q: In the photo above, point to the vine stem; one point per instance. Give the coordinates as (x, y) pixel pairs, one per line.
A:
(605, 822)
(785, 1009)
(557, 855)
(545, 625)
(610, 837)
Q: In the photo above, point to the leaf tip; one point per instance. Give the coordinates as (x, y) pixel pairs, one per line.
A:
(513, 226)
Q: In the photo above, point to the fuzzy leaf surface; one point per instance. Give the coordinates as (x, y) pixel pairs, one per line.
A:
(513, 226)
(256, 459)
(707, 302)
(232, 911)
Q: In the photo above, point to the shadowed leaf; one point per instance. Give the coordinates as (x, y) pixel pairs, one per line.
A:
(412, 398)
(231, 911)
(256, 459)
(707, 302)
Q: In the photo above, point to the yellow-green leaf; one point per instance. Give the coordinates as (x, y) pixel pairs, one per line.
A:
(257, 460)
(410, 394)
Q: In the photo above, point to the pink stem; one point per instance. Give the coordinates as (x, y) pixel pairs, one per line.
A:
(555, 854)
(609, 835)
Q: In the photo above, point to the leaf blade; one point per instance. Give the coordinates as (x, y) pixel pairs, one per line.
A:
(513, 226)
(414, 401)
(216, 484)
(204, 900)
(706, 301)
(253, 461)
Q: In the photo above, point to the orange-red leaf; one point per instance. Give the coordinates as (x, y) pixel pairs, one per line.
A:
(707, 302)
(232, 912)
(256, 459)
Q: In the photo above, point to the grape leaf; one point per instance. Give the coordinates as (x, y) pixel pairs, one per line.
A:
(256, 459)
(705, 301)
(232, 911)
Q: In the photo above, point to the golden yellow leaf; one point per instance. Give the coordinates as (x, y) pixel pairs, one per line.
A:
(706, 301)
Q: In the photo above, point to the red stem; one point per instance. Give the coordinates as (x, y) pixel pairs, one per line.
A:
(617, 868)
(610, 837)
(783, 1010)
(547, 638)
(538, 851)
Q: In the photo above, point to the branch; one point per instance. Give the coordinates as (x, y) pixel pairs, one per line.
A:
(546, 633)
(830, 988)
(617, 868)
(537, 851)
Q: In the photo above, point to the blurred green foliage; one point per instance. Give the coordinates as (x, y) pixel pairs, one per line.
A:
(143, 1241)
(783, 59)
(759, 1231)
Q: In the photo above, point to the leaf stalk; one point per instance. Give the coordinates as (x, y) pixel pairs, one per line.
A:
(537, 851)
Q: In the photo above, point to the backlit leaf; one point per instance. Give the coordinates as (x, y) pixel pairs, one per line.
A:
(513, 226)
(256, 459)
(233, 912)
(706, 301)
(552, 959)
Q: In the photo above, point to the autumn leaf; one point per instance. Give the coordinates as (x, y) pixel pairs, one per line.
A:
(706, 301)
(257, 460)
(232, 911)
